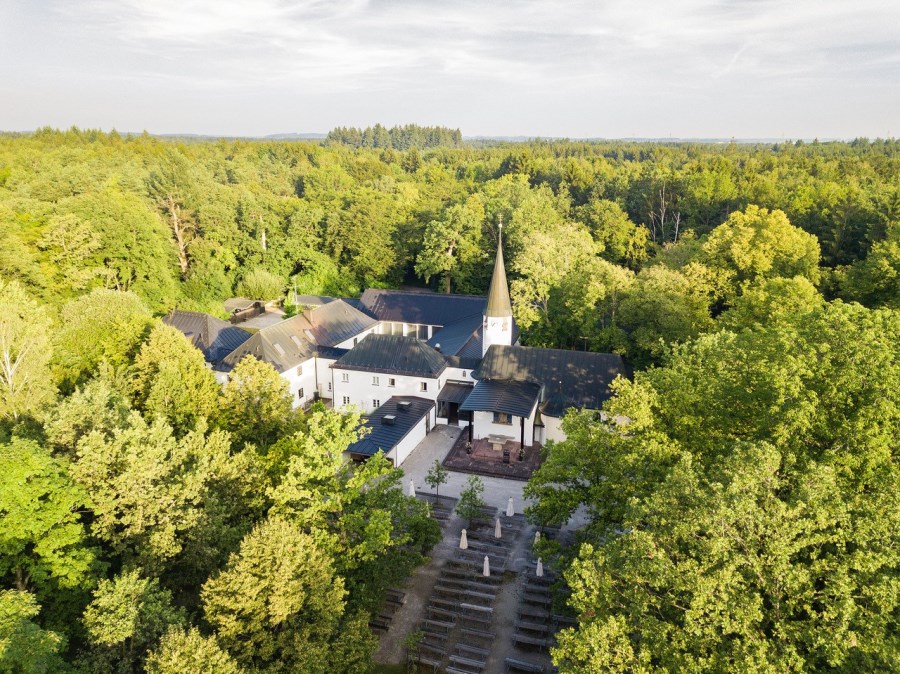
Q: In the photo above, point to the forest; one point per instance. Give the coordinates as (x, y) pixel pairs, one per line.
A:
(742, 490)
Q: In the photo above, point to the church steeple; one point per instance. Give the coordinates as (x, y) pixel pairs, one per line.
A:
(497, 327)
(498, 297)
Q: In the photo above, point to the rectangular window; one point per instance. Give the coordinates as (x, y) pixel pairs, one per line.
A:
(423, 387)
(392, 382)
(346, 400)
(423, 332)
(300, 394)
(502, 418)
(345, 377)
(376, 381)
(299, 369)
(411, 330)
(376, 403)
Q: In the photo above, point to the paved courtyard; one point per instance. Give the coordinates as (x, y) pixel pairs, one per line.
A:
(436, 445)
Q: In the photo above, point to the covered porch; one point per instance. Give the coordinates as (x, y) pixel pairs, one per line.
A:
(481, 458)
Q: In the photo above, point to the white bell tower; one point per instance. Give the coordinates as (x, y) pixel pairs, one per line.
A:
(498, 323)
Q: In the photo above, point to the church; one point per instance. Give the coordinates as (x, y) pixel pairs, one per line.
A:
(410, 360)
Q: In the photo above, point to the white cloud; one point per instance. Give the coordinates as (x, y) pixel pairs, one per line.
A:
(515, 62)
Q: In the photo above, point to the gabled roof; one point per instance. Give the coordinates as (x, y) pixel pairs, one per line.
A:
(498, 296)
(212, 336)
(511, 397)
(296, 340)
(453, 337)
(404, 306)
(283, 345)
(569, 378)
(386, 436)
(336, 322)
(393, 354)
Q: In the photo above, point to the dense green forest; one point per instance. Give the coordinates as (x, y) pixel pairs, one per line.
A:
(743, 507)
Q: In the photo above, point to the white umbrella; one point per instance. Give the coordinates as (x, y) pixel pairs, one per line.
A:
(540, 568)
(510, 511)
(412, 488)
(497, 532)
(487, 567)
(463, 541)
(537, 537)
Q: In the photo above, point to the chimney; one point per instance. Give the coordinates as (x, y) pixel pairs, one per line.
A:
(403, 406)
(388, 420)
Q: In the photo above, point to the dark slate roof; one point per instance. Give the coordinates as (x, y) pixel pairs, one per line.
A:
(283, 345)
(511, 397)
(570, 378)
(455, 393)
(386, 437)
(331, 352)
(336, 322)
(312, 300)
(212, 336)
(465, 363)
(498, 295)
(393, 354)
(420, 307)
(454, 337)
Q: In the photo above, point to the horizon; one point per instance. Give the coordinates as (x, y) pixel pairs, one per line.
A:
(689, 69)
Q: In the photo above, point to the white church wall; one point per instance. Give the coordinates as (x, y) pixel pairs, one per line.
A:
(358, 388)
(553, 429)
(353, 341)
(301, 382)
(411, 440)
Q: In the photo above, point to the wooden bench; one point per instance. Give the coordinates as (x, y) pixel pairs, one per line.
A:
(526, 640)
(533, 627)
(465, 649)
(485, 610)
(537, 599)
(460, 661)
(444, 604)
(514, 665)
(440, 614)
(564, 620)
(479, 635)
(533, 613)
(434, 664)
(439, 626)
(476, 622)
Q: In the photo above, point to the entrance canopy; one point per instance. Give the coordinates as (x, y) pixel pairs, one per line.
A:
(516, 398)
(454, 393)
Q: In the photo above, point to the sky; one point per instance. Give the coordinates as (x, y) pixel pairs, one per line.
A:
(577, 69)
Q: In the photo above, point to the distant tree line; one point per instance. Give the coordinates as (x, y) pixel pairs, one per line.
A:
(397, 137)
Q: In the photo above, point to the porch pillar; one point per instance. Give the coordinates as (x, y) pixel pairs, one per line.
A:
(522, 443)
